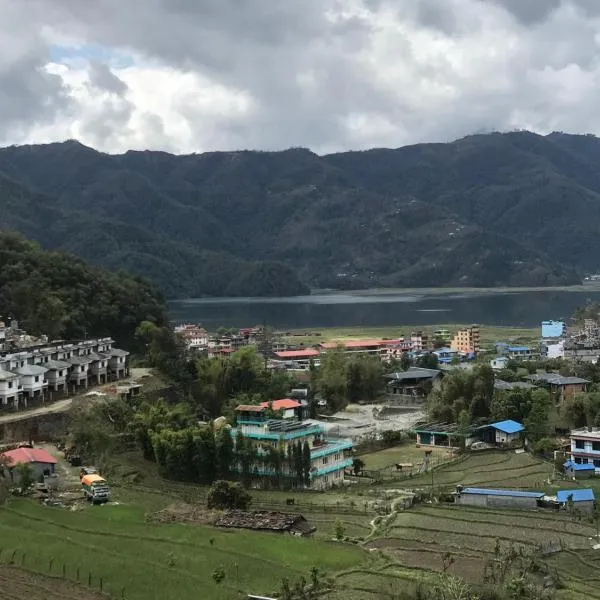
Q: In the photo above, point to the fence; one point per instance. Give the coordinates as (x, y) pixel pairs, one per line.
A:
(60, 570)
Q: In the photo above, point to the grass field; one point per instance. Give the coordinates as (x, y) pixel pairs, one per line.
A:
(406, 453)
(148, 560)
(489, 334)
(160, 561)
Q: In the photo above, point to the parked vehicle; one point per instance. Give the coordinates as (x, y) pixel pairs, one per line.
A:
(87, 471)
(95, 489)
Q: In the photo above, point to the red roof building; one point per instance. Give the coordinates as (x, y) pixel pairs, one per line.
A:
(283, 404)
(296, 354)
(28, 455)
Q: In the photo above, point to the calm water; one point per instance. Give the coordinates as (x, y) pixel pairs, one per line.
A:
(369, 309)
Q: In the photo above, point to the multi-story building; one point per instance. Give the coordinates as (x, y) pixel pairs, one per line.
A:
(37, 372)
(585, 447)
(419, 341)
(296, 360)
(328, 458)
(194, 336)
(467, 340)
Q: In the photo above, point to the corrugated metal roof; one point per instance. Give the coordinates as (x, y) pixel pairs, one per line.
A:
(583, 495)
(508, 426)
(571, 465)
(509, 493)
(29, 455)
(282, 404)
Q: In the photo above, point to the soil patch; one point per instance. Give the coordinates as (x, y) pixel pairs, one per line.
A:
(16, 584)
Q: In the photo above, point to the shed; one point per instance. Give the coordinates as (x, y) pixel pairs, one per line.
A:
(415, 381)
(266, 521)
(583, 499)
(442, 434)
(579, 471)
(41, 462)
(502, 432)
(497, 498)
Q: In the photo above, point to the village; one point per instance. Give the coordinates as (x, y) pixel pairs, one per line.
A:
(372, 474)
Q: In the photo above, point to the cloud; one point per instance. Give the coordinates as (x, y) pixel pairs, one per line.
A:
(183, 75)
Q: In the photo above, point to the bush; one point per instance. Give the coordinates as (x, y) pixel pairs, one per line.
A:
(225, 494)
(392, 438)
(545, 446)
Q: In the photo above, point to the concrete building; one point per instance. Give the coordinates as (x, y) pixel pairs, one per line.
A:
(582, 500)
(585, 447)
(41, 462)
(446, 355)
(296, 359)
(553, 329)
(10, 389)
(519, 353)
(492, 498)
(467, 340)
(499, 363)
(57, 375)
(34, 384)
(329, 458)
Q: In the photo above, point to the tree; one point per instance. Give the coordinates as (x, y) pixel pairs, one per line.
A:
(225, 452)
(536, 423)
(427, 361)
(332, 381)
(357, 465)
(339, 529)
(24, 475)
(218, 575)
(228, 495)
(306, 464)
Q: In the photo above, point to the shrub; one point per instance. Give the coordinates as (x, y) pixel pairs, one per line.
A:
(225, 494)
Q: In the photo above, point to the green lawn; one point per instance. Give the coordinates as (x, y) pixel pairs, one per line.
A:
(160, 561)
(489, 334)
(406, 453)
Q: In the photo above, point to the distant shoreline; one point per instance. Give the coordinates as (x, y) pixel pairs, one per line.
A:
(591, 287)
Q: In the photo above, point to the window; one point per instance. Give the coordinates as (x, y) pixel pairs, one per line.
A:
(584, 461)
(596, 446)
(325, 460)
(10, 384)
(580, 444)
(60, 373)
(578, 460)
(597, 462)
(45, 359)
(37, 378)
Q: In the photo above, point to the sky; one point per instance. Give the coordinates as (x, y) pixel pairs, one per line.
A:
(201, 75)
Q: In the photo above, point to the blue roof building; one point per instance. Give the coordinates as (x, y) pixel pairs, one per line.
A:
(583, 499)
(508, 426)
(553, 329)
(503, 432)
(497, 498)
(582, 495)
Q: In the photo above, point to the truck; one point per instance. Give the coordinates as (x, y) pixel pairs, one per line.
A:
(95, 489)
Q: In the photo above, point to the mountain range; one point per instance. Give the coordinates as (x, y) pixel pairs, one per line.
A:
(493, 209)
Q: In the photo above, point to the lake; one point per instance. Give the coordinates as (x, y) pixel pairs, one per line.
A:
(379, 308)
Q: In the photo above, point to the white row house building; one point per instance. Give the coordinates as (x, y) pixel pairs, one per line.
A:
(58, 369)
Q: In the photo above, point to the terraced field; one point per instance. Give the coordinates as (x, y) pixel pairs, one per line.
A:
(16, 584)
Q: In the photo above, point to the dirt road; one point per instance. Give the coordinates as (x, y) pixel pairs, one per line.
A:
(55, 407)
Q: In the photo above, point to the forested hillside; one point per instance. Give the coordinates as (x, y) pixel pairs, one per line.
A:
(486, 210)
(58, 295)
